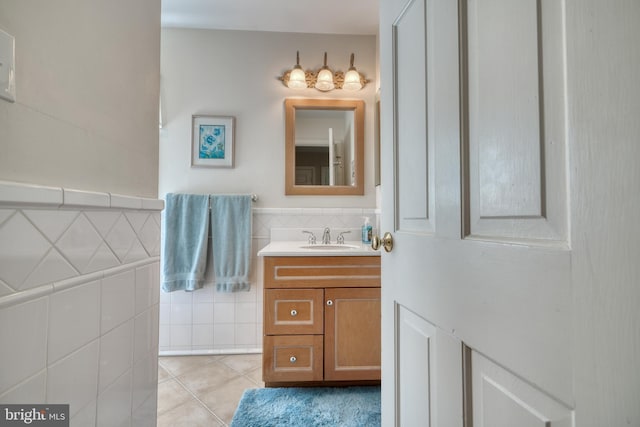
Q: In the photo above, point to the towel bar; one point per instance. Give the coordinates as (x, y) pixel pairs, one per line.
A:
(254, 198)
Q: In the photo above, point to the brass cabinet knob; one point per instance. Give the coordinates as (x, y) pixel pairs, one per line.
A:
(386, 242)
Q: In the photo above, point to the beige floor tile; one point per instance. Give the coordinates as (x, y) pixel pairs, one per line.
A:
(218, 381)
(243, 362)
(208, 378)
(256, 376)
(190, 414)
(171, 395)
(224, 400)
(163, 375)
(180, 365)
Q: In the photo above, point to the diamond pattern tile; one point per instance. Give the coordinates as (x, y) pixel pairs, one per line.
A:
(103, 259)
(52, 223)
(103, 220)
(149, 235)
(79, 243)
(52, 268)
(137, 220)
(5, 289)
(121, 238)
(4, 214)
(136, 253)
(22, 247)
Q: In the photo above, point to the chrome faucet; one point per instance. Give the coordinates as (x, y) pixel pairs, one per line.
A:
(326, 236)
(312, 237)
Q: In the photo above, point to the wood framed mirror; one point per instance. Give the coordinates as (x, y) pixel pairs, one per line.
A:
(324, 147)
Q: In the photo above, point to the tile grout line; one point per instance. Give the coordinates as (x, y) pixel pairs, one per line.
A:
(188, 390)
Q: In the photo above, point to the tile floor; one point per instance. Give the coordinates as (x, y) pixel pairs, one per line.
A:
(204, 390)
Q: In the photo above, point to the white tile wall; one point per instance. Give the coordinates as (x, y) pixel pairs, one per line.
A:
(79, 295)
(206, 321)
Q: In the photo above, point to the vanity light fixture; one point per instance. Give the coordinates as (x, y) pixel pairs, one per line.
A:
(324, 79)
(353, 79)
(297, 79)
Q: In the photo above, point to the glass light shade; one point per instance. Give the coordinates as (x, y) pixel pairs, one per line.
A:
(297, 78)
(352, 80)
(325, 80)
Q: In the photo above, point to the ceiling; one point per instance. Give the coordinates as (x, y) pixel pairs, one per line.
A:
(299, 16)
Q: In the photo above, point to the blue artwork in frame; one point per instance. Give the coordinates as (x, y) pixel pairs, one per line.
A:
(212, 141)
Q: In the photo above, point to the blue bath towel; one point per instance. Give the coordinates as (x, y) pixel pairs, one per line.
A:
(184, 248)
(231, 241)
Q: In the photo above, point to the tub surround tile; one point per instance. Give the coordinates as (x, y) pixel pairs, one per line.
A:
(114, 404)
(85, 198)
(118, 293)
(63, 287)
(146, 414)
(22, 247)
(32, 389)
(79, 242)
(116, 349)
(143, 340)
(103, 221)
(17, 193)
(5, 290)
(102, 259)
(74, 379)
(23, 334)
(145, 380)
(121, 237)
(74, 319)
(125, 202)
(52, 268)
(85, 416)
(5, 214)
(51, 223)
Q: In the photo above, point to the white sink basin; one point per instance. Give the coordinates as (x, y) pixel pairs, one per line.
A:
(330, 247)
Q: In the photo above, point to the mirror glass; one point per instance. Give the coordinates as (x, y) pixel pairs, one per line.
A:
(324, 147)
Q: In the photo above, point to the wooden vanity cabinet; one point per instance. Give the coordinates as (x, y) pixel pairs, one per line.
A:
(321, 320)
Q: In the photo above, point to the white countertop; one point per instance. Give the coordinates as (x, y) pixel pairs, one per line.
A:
(302, 248)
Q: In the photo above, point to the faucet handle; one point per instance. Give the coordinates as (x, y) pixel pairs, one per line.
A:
(312, 237)
(340, 240)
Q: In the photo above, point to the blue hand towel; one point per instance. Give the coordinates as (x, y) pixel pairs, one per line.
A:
(184, 248)
(231, 241)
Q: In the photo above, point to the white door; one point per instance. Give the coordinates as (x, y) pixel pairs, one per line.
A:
(476, 292)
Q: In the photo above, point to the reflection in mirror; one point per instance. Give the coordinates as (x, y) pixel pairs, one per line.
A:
(324, 147)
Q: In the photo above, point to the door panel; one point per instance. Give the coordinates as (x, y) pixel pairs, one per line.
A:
(413, 150)
(516, 142)
(501, 399)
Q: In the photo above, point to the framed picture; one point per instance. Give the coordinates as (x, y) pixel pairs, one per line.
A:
(212, 141)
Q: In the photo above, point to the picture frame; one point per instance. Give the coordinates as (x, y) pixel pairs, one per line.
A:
(212, 141)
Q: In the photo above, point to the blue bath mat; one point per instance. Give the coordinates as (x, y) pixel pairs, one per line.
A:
(309, 407)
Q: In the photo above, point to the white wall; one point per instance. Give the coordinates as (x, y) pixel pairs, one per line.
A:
(234, 73)
(87, 77)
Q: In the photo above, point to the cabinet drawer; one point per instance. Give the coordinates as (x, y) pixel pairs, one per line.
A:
(293, 311)
(292, 358)
(322, 272)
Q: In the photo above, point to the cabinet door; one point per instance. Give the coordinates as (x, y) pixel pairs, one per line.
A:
(293, 312)
(352, 334)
